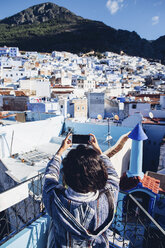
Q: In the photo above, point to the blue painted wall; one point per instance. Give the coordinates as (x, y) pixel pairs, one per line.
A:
(151, 151)
(36, 107)
(99, 130)
(33, 236)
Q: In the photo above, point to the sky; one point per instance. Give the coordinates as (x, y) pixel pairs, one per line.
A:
(145, 17)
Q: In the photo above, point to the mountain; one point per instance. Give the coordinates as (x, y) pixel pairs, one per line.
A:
(159, 48)
(41, 13)
(47, 27)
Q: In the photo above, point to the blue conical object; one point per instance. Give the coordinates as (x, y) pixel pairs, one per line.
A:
(138, 133)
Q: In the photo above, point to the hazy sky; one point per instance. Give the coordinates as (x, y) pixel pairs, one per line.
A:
(146, 17)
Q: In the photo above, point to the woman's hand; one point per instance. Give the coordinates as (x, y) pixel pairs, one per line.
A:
(93, 142)
(66, 143)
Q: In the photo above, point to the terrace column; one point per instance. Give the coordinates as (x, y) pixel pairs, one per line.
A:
(137, 135)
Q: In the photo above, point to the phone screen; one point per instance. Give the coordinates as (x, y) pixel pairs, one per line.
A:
(80, 139)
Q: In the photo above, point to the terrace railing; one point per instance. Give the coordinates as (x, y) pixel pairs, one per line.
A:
(132, 226)
(23, 205)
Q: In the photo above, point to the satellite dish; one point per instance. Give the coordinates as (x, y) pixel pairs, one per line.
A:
(109, 137)
(99, 117)
(116, 117)
(151, 115)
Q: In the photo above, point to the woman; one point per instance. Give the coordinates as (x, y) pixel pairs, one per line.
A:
(82, 211)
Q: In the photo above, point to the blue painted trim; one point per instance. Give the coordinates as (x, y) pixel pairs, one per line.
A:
(153, 196)
(139, 187)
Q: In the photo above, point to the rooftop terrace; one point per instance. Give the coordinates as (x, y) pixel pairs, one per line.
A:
(23, 219)
(26, 222)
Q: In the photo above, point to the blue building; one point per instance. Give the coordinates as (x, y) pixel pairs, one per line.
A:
(9, 51)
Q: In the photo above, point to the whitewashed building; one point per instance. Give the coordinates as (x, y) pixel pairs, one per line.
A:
(95, 104)
(14, 51)
(10, 51)
(41, 87)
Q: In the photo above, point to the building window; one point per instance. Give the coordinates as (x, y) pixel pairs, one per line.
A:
(152, 106)
(133, 106)
(82, 107)
(78, 108)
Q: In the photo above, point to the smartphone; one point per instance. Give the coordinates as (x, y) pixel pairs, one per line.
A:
(80, 139)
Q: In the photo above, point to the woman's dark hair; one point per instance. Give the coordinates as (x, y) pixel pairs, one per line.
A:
(84, 170)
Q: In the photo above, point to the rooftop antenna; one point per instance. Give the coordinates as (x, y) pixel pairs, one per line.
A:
(109, 137)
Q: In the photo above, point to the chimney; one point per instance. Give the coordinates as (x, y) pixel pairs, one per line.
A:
(137, 135)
